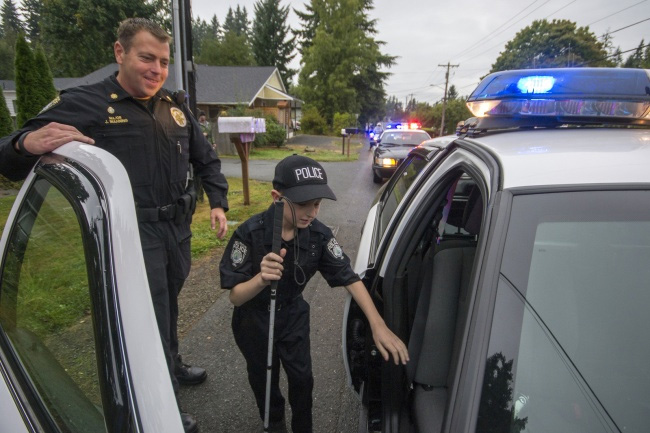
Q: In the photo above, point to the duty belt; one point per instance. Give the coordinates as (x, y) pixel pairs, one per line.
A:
(154, 214)
(279, 304)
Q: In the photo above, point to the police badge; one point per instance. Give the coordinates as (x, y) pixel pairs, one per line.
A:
(179, 117)
(335, 249)
(238, 253)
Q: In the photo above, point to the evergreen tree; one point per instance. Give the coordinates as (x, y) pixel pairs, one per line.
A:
(79, 34)
(6, 59)
(638, 59)
(233, 50)
(310, 21)
(200, 31)
(11, 23)
(31, 10)
(341, 67)
(6, 124)
(558, 43)
(214, 29)
(44, 90)
(237, 22)
(269, 38)
(26, 79)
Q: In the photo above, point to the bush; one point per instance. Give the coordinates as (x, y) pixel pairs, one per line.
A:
(276, 135)
(312, 122)
(342, 121)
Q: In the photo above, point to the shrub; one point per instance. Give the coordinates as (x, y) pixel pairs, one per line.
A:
(276, 135)
(312, 122)
(342, 121)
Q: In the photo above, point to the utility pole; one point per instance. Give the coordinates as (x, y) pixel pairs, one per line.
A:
(444, 98)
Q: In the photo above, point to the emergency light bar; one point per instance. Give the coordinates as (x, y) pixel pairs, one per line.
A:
(571, 95)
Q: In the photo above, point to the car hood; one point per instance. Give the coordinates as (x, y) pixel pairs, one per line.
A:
(390, 151)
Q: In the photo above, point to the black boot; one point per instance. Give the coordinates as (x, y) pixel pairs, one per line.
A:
(188, 375)
(189, 423)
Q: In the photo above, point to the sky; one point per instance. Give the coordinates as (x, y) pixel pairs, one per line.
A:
(469, 33)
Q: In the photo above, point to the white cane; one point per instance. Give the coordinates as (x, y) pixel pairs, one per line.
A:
(275, 247)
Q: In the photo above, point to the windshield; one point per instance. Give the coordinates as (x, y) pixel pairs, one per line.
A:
(569, 342)
(404, 138)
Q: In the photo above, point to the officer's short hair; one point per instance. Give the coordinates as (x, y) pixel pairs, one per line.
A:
(131, 26)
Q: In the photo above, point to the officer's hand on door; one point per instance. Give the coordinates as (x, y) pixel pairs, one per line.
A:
(218, 214)
(51, 136)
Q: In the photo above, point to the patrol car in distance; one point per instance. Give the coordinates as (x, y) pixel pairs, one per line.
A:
(79, 345)
(392, 147)
(513, 261)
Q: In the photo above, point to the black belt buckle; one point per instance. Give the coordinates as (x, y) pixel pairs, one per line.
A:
(166, 213)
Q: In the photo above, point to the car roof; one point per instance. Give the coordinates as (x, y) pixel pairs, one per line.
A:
(570, 156)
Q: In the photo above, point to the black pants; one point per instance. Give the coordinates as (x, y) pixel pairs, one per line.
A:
(167, 262)
(250, 327)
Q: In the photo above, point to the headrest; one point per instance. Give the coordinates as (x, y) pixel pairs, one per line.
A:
(473, 214)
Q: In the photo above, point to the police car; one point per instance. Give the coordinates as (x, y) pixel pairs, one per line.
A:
(513, 261)
(392, 147)
(79, 344)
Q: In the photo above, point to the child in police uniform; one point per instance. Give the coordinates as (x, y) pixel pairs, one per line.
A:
(247, 268)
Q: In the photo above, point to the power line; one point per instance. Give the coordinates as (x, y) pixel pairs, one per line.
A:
(617, 12)
(631, 25)
(483, 39)
(553, 13)
(613, 55)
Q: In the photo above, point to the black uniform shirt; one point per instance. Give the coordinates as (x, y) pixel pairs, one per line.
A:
(155, 146)
(318, 251)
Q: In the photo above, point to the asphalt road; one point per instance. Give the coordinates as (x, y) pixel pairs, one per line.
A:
(224, 403)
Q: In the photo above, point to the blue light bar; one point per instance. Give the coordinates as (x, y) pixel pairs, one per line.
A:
(570, 93)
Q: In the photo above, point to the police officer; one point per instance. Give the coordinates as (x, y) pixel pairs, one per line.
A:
(155, 137)
(247, 268)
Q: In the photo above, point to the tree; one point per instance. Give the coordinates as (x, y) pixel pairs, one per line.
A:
(6, 60)
(11, 23)
(269, 38)
(31, 10)
(79, 34)
(44, 90)
(342, 62)
(6, 124)
(310, 20)
(233, 50)
(237, 22)
(639, 58)
(558, 43)
(25, 82)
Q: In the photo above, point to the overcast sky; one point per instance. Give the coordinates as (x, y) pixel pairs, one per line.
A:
(469, 33)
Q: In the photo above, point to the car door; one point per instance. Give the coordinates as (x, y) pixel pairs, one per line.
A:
(423, 287)
(79, 345)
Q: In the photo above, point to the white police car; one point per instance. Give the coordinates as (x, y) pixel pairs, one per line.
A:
(514, 262)
(79, 344)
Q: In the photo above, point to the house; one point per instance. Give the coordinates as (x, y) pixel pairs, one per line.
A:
(217, 88)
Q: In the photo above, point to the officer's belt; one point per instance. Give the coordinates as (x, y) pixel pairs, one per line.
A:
(154, 214)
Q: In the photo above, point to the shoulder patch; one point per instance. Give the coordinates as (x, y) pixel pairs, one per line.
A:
(335, 249)
(238, 253)
(53, 103)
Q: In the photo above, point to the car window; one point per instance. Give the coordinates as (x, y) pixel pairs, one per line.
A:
(404, 138)
(407, 174)
(568, 345)
(45, 311)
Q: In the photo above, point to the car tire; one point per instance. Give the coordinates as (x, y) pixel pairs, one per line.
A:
(375, 177)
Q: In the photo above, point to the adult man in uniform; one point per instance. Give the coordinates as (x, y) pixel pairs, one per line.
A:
(155, 137)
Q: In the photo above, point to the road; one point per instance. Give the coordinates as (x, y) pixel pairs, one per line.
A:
(224, 403)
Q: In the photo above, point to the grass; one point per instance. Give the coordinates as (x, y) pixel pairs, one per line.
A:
(204, 239)
(328, 153)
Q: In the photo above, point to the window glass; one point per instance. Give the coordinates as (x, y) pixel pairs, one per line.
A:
(45, 310)
(408, 172)
(568, 346)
